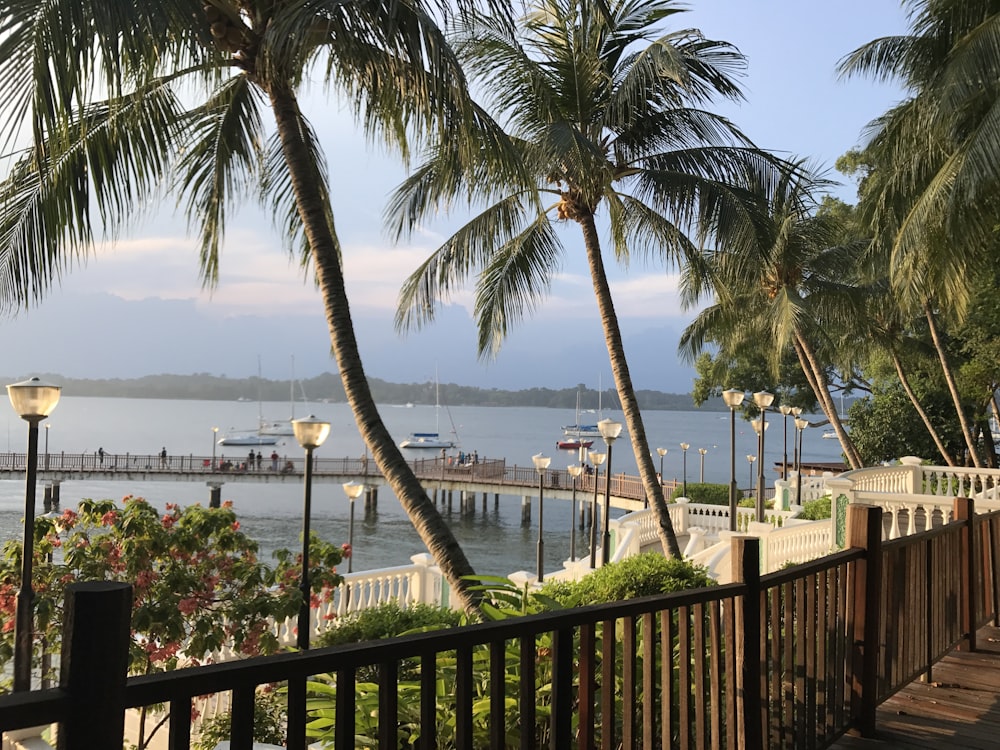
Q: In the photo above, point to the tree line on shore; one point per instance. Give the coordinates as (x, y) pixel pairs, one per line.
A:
(329, 388)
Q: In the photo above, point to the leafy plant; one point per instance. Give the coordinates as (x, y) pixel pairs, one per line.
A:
(707, 493)
(269, 717)
(817, 510)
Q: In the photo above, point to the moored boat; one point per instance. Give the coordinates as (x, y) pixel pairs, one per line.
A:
(248, 438)
(426, 440)
(572, 445)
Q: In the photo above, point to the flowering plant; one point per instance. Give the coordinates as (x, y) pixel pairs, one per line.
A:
(198, 586)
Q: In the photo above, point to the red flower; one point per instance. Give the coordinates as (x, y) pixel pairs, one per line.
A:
(347, 549)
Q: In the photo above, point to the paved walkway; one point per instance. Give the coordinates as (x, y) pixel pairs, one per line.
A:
(959, 708)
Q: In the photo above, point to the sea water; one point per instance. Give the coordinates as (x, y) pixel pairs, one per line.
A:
(496, 542)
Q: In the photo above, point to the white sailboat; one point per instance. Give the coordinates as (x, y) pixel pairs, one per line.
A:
(428, 440)
(281, 427)
(251, 437)
(578, 430)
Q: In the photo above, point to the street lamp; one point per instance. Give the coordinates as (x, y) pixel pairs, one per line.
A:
(33, 401)
(684, 470)
(47, 426)
(661, 452)
(353, 491)
(574, 471)
(750, 460)
(596, 458)
(701, 468)
(762, 399)
(541, 464)
(310, 432)
(215, 435)
(785, 410)
(610, 430)
(734, 399)
(800, 425)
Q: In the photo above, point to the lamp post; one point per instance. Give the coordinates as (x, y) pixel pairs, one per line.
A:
(750, 459)
(733, 399)
(353, 491)
(785, 410)
(310, 433)
(610, 430)
(47, 426)
(33, 401)
(596, 458)
(215, 435)
(701, 468)
(800, 425)
(762, 399)
(574, 471)
(684, 469)
(661, 452)
(541, 464)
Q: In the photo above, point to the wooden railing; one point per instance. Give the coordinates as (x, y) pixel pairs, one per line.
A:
(788, 660)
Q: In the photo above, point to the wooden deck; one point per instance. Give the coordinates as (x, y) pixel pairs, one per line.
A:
(958, 708)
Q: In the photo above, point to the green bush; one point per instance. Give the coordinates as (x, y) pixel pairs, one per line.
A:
(817, 510)
(710, 494)
(642, 575)
(386, 621)
(268, 723)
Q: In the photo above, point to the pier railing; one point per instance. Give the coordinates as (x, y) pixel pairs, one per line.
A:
(787, 660)
(491, 471)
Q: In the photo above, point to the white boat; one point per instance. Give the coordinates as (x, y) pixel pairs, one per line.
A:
(430, 440)
(281, 427)
(578, 430)
(830, 435)
(426, 440)
(248, 438)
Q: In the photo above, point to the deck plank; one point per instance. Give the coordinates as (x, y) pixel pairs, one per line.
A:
(958, 708)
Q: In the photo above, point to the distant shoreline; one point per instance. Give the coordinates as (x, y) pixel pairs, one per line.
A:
(328, 388)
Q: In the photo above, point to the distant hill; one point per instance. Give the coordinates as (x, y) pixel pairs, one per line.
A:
(327, 387)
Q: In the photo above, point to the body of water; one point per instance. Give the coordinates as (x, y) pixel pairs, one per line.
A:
(495, 542)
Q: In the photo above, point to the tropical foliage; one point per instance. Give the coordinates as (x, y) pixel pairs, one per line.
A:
(198, 585)
(600, 115)
(112, 102)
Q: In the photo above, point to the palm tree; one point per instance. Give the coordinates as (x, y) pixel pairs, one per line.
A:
(601, 111)
(936, 158)
(90, 158)
(785, 286)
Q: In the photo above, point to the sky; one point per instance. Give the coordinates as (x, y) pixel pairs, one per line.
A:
(137, 306)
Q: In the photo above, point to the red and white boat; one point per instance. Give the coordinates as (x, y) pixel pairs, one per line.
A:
(573, 445)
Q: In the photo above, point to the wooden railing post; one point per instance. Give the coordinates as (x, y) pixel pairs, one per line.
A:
(95, 647)
(964, 512)
(749, 706)
(864, 530)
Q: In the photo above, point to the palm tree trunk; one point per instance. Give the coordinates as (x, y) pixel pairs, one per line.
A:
(626, 393)
(905, 382)
(949, 378)
(319, 231)
(807, 360)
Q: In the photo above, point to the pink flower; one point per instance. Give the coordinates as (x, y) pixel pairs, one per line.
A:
(347, 549)
(236, 526)
(109, 518)
(188, 605)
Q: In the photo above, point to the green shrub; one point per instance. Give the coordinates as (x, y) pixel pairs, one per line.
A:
(710, 494)
(386, 621)
(268, 723)
(642, 575)
(817, 510)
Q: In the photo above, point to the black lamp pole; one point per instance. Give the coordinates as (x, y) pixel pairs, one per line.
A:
(23, 625)
(733, 398)
(303, 636)
(606, 539)
(684, 469)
